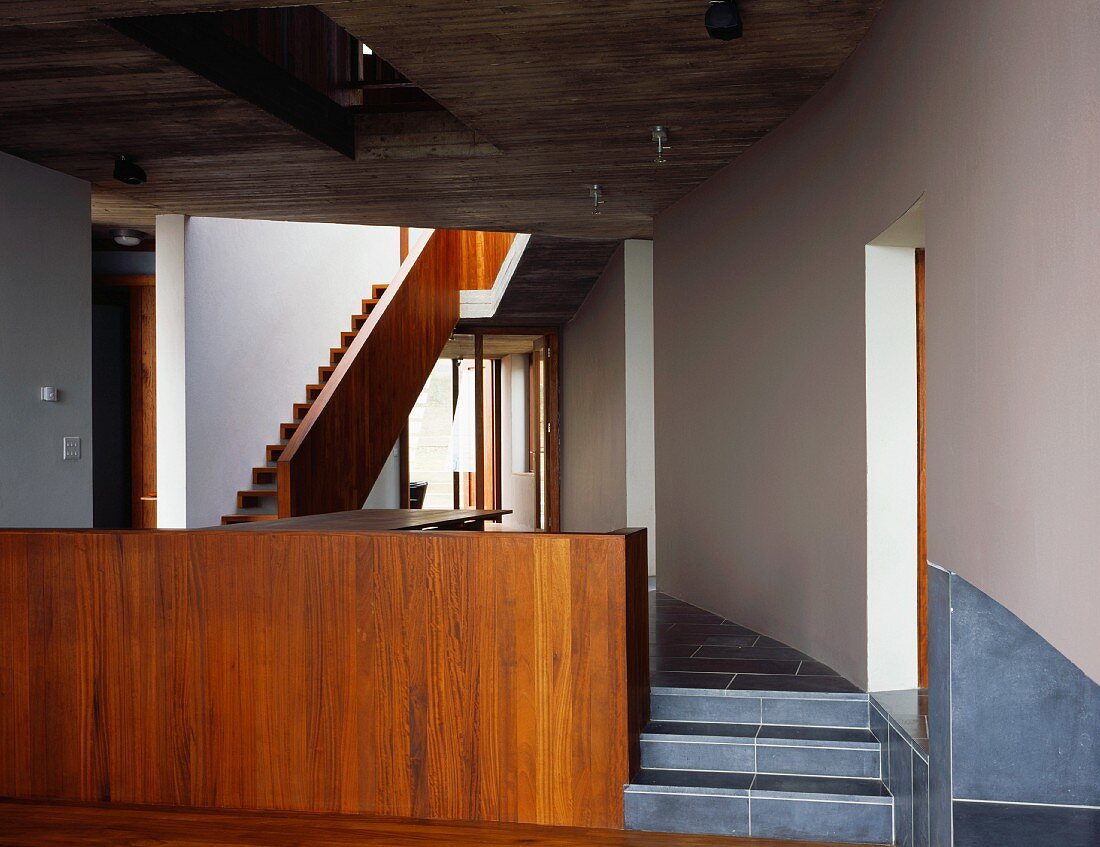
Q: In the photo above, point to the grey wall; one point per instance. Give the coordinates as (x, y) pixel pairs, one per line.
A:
(593, 409)
(992, 112)
(1014, 728)
(45, 340)
(265, 301)
(608, 472)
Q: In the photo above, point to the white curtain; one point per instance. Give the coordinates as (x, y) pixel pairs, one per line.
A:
(463, 441)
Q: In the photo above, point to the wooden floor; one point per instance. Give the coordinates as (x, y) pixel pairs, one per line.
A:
(38, 825)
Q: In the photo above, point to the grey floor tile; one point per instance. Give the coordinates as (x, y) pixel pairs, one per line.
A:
(704, 729)
(901, 786)
(856, 823)
(699, 754)
(656, 812)
(794, 712)
(824, 735)
(824, 787)
(816, 669)
(820, 761)
(778, 682)
(673, 679)
(732, 666)
(921, 834)
(728, 783)
(1002, 825)
(734, 652)
(718, 709)
(730, 640)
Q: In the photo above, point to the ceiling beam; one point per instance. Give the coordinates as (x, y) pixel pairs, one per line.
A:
(196, 43)
(22, 13)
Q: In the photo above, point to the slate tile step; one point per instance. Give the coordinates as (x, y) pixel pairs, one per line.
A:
(770, 735)
(841, 789)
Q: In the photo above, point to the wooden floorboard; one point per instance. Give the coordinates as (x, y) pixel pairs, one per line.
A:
(38, 825)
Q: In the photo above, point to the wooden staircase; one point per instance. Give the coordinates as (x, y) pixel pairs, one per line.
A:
(329, 456)
(260, 502)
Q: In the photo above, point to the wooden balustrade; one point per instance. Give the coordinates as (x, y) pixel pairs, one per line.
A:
(336, 454)
(463, 676)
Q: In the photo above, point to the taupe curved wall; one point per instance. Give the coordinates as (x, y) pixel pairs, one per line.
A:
(991, 109)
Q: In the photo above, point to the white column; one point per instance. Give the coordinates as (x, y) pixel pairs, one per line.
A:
(171, 374)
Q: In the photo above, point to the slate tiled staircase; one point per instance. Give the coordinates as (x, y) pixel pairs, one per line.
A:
(760, 762)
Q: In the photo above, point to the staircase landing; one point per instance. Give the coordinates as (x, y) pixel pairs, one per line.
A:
(751, 737)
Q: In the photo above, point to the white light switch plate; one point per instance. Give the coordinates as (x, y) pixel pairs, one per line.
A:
(71, 447)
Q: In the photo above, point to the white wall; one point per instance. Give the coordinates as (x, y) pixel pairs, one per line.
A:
(891, 468)
(517, 489)
(386, 493)
(607, 401)
(171, 387)
(992, 112)
(45, 340)
(265, 301)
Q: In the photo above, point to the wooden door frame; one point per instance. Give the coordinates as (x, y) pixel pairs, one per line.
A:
(922, 484)
(553, 402)
(143, 393)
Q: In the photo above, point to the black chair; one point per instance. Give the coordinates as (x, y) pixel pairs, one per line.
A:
(417, 490)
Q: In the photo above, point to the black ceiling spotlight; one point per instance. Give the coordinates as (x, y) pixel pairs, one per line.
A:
(723, 20)
(127, 171)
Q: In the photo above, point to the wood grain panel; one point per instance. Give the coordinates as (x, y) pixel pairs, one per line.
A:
(50, 825)
(458, 676)
(342, 444)
(143, 405)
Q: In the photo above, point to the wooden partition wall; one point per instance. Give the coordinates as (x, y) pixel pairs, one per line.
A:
(335, 456)
(469, 676)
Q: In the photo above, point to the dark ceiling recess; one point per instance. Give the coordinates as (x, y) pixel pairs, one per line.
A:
(295, 63)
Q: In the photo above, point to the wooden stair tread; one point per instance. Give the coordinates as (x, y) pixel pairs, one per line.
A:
(232, 519)
(268, 475)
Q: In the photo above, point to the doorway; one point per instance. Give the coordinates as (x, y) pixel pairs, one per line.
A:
(897, 634)
(484, 432)
(124, 401)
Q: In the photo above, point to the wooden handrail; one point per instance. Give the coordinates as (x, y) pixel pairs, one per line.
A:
(337, 453)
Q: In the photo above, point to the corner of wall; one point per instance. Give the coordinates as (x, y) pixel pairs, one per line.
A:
(641, 488)
(171, 373)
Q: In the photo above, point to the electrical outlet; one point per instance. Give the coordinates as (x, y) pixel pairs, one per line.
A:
(71, 447)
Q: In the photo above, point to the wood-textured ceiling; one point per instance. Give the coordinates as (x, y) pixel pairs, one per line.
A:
(565, 89)
(553, 95)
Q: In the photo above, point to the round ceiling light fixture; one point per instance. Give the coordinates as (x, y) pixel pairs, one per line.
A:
(723, 20)
(127, 171)
(128, 237)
